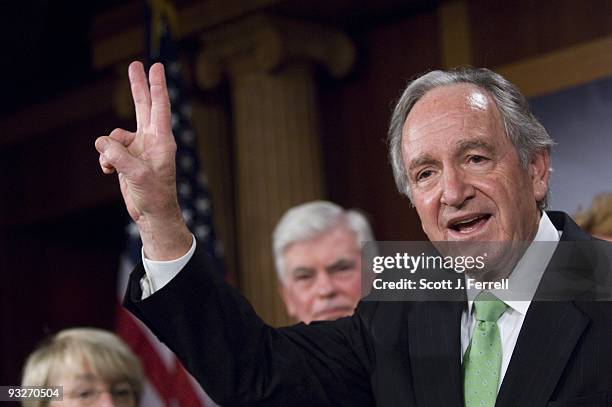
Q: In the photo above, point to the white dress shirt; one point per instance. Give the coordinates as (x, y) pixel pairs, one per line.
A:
(530, 268)
(159, 273)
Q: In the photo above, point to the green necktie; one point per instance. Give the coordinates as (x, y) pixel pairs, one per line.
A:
(482, 361)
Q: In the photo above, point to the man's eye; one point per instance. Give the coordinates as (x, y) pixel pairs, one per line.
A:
(476, 159)
(302, 276)
(424, 175)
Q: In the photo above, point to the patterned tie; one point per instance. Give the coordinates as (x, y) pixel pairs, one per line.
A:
(482, 361)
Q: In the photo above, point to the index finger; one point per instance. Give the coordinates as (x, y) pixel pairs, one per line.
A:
(140, 94)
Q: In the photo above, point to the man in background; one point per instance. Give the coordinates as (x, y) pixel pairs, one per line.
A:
(317, 253)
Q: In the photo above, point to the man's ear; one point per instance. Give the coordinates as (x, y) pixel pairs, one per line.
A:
(284, 293)
(539, 171)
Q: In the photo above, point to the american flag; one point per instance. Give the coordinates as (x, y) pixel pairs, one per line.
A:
(168, 383)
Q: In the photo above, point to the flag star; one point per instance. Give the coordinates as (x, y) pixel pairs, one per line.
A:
(202, 231)
(186, 162)
(188, 137)
(186, 111)
(172, 93)
(184, 189)
(187, 215)
(202, 205)
(132, 229)
(174, 68)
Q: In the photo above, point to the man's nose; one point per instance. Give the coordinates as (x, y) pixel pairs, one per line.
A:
(456, 188)
(325, 285)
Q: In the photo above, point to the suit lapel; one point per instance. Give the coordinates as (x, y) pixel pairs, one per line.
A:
(551, 329)
(549, 335)
(434, 343)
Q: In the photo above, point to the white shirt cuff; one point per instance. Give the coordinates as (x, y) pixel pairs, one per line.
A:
(159, 273)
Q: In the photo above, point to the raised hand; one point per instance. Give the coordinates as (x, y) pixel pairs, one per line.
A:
(145, 163)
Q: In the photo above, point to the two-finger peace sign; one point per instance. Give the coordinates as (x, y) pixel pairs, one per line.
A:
(144, 159)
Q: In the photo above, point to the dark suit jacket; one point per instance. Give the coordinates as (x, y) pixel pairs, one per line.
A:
(387, 354)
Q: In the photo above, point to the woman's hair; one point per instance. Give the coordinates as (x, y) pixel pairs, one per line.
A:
(597, 220)
(69, 350)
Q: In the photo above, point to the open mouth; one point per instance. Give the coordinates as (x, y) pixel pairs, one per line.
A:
(470, 224)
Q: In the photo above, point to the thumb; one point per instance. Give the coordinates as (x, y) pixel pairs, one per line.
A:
(114, 154)
(123, 136)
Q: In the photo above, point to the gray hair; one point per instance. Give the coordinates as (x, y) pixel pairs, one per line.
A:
(524, 131)
(308, 220)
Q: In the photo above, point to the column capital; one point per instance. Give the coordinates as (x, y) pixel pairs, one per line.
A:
(264, 43)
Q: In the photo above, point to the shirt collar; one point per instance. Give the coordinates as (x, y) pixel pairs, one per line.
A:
(529, 268)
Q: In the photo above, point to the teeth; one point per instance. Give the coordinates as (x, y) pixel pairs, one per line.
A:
(461, 222)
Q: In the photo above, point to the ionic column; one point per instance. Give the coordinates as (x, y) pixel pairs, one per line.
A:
(270, 64)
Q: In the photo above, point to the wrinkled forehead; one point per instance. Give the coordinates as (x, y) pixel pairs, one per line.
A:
(447, 110)
(452, 99)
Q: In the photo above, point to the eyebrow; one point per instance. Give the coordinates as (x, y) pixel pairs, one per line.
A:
(422, 160)
(301, 269)
(88, 376)
(461, 147)
(342, 262)
(474, 144)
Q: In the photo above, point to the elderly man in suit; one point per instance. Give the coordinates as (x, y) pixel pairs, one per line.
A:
(475, 163)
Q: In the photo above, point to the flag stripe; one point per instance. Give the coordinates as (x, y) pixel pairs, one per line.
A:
(187, 396)
(154, 367)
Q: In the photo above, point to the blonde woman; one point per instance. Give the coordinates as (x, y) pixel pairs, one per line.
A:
(94, 366)
(597, 220)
